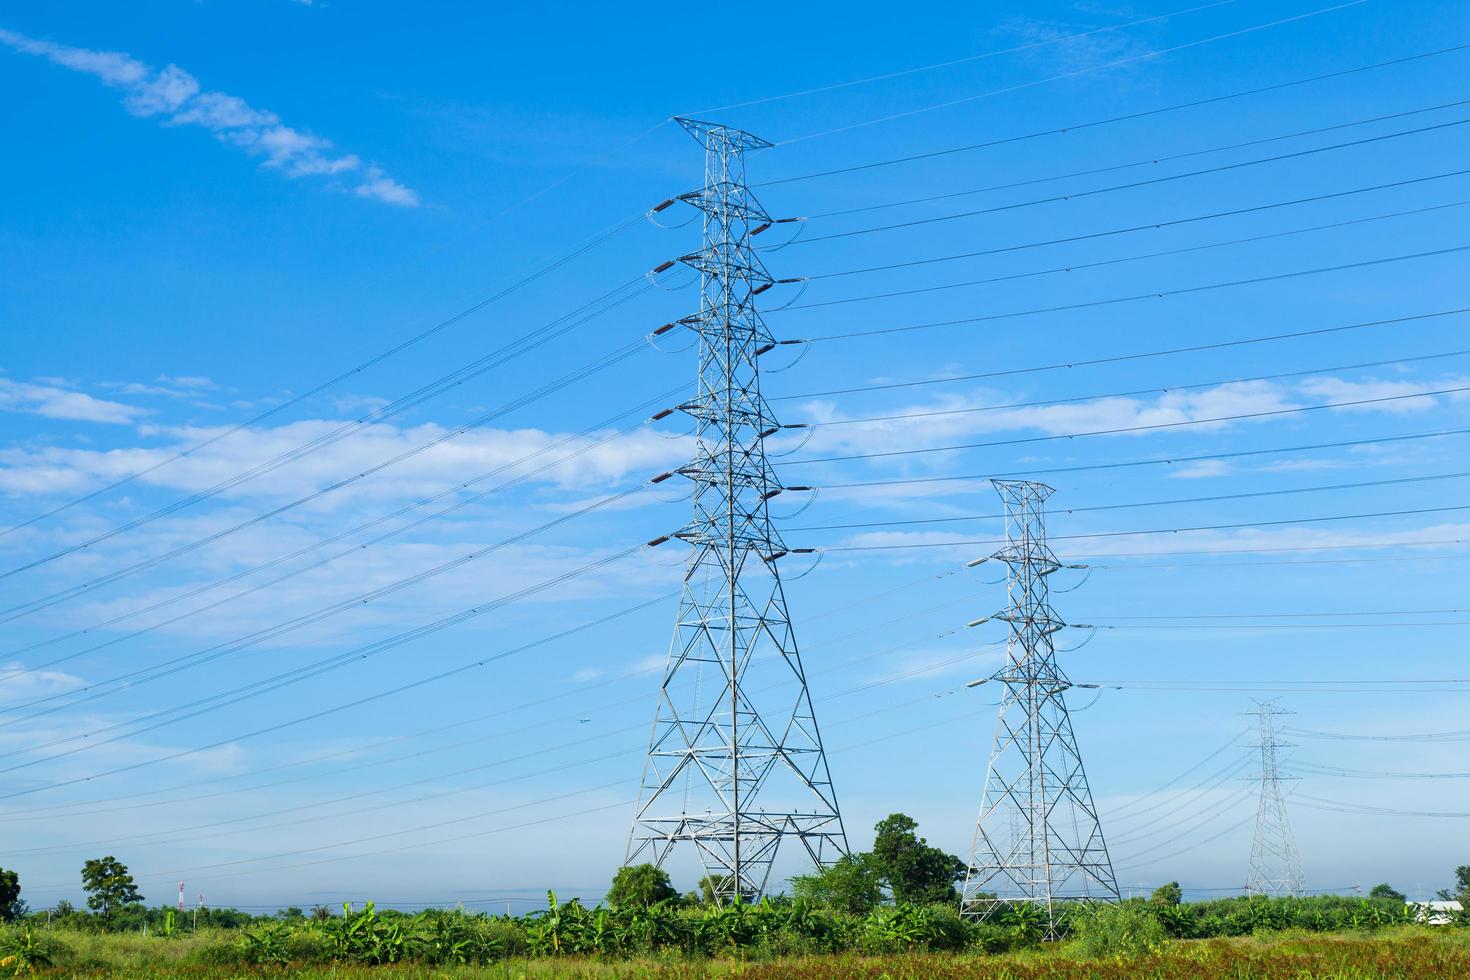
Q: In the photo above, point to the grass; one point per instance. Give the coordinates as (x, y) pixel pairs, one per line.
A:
(1393, 953)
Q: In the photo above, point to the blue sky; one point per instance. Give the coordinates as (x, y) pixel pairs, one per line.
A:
(213, 208)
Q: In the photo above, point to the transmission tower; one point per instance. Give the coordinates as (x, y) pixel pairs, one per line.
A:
(1038, 838)
(735, 762)
(1276, 869)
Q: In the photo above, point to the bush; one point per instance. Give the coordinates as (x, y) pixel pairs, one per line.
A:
(1126, 930)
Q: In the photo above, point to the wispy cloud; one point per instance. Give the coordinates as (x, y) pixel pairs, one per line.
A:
(177, 98)
(54, 402)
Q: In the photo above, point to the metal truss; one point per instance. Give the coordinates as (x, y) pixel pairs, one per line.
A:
(1038, 838)
(735, 761)
(1276, 868)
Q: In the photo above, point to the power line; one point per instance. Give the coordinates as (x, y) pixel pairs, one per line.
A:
(357, 654)
(1317, 803)
(1151, 427)
(1157, 294)
(1123, 260)
(1158, 390)
(1214, 498)
(1453, 736)
(143, 675)
(1115, 63)
(1151, 161)
(453, 491)
(1164, 461)
(1092, 362)
(1130, 229)
(1032, 45)
(342, 432)
(323, 386)
(1132, 185)
(1128, 117)
(1168, 530)
(111, 802)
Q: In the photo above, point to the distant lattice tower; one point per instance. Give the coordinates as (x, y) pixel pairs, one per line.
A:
(1276, 868)
(1038, 838)
(735, 763)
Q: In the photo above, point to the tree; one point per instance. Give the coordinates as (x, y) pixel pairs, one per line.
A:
(11, 907)
(640, 885)
(851, 884)
(912, 870)
(711, 887)
(1170, 894)
(109, 887)
(1461, 891)
(1386, 891)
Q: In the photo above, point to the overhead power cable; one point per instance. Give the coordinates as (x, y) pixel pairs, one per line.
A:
(352, 656)
(1125, 259)
(1150, 162)
(497, 358)
(1131, 185)
(1165, 530)
(139, 676)
(1131, 229)
(1212, 498)
(1117, 358)
(1157, 294)
(1129, 393)
(1139, 800)
(1118, 430)
(589, 443)
(1314, 769)
(331, 382)
(1317, 803)
(1127, 117)
(1079, 72)
(968, 59)
(35, 605)
(1158, 461)
(1452, 736)
(111, 803)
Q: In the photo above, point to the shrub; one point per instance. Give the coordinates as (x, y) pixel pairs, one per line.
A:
(1126, 930)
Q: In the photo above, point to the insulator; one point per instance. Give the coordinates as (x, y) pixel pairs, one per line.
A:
(761, 288)
(667, 265)
(771, 558)
(760, 228)
(784, 343)
(664, 329)
(763, 348)
(769, 432)
(660, 207)
(661, 415)
(977, 622)
(800, 489)
(782, 221)
(657, 541)
(783, 282)
(803, 551)
(662, 477)
(769, 494)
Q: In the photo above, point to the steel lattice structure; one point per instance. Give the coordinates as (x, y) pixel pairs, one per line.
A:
(735, 762)
(1038, 838)
(1276, 868)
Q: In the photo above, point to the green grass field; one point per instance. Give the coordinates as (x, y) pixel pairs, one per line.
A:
(1406, 951)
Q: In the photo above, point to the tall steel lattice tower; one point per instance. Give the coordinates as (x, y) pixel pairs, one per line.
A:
(1276, 869)
(1038, 838)
(735, 762)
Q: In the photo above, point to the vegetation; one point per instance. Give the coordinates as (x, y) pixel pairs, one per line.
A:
(836, 925)
(11, 907)
(1385, 890)
(109, 886)
(640, 885)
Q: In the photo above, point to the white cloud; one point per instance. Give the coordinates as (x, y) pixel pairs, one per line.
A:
(176, 96)
(59, 403)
